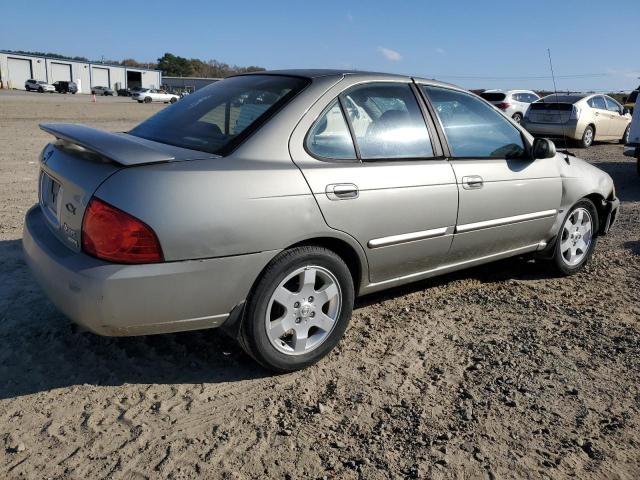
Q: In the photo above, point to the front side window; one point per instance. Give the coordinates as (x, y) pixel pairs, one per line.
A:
(473, 128)
(218, 117)
(329, 137)
(387, 122)
(612, 105)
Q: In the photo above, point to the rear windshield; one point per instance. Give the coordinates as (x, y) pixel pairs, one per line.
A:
(493, 96)
(561, 98)
(551, 106)
(218, 117)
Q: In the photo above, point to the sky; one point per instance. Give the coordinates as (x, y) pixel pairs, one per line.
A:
(469, 43)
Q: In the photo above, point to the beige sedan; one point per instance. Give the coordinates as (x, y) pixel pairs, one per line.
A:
(579, 117)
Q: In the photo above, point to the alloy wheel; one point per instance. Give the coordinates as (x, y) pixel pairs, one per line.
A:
(577, 235)
(303, 310)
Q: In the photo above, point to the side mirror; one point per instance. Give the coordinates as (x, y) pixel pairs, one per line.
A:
(543, 148)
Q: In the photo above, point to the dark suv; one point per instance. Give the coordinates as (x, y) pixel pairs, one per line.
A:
(62, 86)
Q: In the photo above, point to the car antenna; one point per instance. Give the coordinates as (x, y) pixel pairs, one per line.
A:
(555, 90)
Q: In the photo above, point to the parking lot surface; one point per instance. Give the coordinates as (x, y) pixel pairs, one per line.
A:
(503, 371)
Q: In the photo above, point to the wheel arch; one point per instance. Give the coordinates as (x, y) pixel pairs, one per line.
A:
(351, 255)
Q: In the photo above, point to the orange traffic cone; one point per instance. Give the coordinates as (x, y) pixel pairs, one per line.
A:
(93, 98)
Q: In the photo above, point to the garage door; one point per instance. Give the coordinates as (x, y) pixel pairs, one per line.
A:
(60, 71)
(19, 72)
(100, 77)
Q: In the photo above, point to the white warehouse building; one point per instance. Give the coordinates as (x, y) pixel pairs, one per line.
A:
(16, 68)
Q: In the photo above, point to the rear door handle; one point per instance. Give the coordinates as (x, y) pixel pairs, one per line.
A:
(472, 182)
(341, 191)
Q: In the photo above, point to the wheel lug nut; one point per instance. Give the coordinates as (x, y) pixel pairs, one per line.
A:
(311, 299)
(296, 305)
(313, 314)
(298, 320)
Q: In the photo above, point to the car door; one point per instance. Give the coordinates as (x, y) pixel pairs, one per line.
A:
(617, 121)
(600, 116)
(370, 157)
(508, 202)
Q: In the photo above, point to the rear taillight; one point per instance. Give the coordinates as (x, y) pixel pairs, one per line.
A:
(110, 234)
(575, 113)
(503, 105)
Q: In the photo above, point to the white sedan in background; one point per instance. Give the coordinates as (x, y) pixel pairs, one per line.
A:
(148, 95)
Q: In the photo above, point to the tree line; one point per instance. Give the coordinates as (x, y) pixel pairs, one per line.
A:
(170, 64)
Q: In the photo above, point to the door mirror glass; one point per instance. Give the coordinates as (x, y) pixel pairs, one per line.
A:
(543, 148)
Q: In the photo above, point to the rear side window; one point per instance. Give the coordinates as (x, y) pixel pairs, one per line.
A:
(387, 122)
(597, 102)
(329, 137)
(217, 118)
(473, 128)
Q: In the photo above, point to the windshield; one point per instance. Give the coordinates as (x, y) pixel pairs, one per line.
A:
(493, 96)
(218, 117)
(42, 83)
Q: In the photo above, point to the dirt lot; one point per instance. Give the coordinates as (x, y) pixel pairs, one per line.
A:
(497, 372)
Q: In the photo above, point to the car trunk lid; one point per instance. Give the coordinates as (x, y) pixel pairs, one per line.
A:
(73, 167)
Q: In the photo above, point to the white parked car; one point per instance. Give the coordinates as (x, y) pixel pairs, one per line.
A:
(38, 86)
(148, 95)
(514, 103)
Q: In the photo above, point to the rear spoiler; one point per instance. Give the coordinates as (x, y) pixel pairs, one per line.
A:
(124, 149)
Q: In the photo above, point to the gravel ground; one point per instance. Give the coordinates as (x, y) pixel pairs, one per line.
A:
(502, 371)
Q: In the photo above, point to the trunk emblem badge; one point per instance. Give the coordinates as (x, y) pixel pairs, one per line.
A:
(71, 208)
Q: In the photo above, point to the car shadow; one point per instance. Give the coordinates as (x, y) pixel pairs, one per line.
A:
(41, 349)
(634, 246)
(519, 268)
(625, 178)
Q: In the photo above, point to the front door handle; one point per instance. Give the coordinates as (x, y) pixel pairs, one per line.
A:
(472, 182)
(341, 191)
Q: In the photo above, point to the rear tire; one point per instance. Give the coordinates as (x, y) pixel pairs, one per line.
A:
(41, 90)
(173, 100)
(587, 137)
(316, 290)
(577, 238)
(625, 136)
(147, 99)
(517, 117)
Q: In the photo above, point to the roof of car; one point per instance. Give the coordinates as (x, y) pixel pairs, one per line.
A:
(319, 72)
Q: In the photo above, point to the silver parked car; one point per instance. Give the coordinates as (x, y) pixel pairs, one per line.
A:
(105, 91)
(148, 95)
(581, 118)
(514, 103)
(265, 203)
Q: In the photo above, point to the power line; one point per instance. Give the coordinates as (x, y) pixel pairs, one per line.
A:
(523, 77)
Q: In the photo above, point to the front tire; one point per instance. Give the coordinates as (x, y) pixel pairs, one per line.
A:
(173, 100)
(517, 117)
(147, 99)
(577, 238)
(298, 309)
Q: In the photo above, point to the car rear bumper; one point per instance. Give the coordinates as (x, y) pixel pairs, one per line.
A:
(553, 130)
(123, 300)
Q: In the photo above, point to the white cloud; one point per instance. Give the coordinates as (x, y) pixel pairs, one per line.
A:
(440, 51)
(389, 54)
